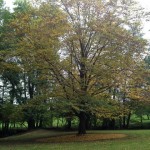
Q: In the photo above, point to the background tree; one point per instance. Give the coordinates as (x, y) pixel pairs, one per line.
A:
(35, 33)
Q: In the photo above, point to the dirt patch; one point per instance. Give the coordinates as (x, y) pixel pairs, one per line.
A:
(82, 138)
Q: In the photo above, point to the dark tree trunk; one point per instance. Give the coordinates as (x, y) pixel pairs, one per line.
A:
(5, 128)
(105, 124)
(57, 122)
(112, 124)
(124, 122)
(37, 124)
(120, 122)
(51, 120)
(94, 122)
(41, 123)
(82, 123)
(68, 123)
(128, 120)
(141, 117)
(31, 123)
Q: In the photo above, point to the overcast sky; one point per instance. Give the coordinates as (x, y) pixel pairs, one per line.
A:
(144, 3)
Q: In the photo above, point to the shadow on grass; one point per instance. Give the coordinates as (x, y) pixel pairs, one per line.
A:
(54, 136)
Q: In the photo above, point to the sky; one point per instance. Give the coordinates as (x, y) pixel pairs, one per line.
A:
(144, 3)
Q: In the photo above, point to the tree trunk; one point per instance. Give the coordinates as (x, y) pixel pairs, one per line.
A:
(51, 120)
(57, 122)
(31, 123)
(112, 124)
(95, 122)
(5, 128)
(82, 123)
(120, 122)
(124, 122)
(69, 123)
(141, 121)
(128, 120)
(105, 124)
(41, 123)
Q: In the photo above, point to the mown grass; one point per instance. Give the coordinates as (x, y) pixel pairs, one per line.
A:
(136, 139)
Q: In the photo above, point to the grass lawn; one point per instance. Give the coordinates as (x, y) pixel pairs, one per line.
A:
(135, 140)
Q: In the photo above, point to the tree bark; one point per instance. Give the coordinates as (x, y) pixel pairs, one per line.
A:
(69, 123)
(82, 123)
(141, 117)
(95, 122)
(120, 122)
(31, 123)
(40, 123)
(105, 124)
(124, 122)
(112, 124)
(128, 120)
(51, 120)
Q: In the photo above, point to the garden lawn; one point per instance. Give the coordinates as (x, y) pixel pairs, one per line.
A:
(135, 140)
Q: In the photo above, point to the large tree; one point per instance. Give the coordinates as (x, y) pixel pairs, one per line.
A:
(98, 47)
